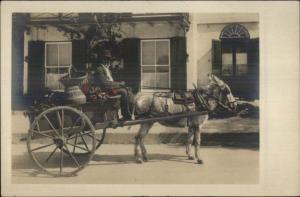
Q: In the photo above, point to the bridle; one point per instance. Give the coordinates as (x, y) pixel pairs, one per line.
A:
(204, 104)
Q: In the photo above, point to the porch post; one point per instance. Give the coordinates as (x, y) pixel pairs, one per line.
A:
(192, 48)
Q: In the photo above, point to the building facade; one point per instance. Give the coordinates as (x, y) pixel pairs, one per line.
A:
(160, 52)
(227, 45)
(153, 50)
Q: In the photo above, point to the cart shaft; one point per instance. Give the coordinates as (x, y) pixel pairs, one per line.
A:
(161, 118)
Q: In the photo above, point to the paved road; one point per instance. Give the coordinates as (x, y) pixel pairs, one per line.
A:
(168, 165)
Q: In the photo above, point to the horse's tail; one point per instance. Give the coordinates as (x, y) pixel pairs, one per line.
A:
(133, 111)
(204, 121)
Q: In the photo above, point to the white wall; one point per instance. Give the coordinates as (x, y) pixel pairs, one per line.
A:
(145, 30)
(209, 18)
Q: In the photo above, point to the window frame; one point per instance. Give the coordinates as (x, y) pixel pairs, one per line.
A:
(155, 65)
(234, 44)
(45, 63)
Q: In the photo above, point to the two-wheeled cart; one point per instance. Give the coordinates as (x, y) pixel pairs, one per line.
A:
(63, 139)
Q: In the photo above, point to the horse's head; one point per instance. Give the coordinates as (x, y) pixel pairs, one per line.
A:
(217, 95)
(202, 101)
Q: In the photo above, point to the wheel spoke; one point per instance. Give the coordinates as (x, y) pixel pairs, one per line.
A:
(81, 134)
(72, 156)
(79, 147)
(61, 161)
(59, 118)
(84, 141)
(43, 134)
(51, 154)
(69, 129)
(38, 126)
(62, 119)
(42, 147)
(75, 142)
(94, 137)
(51, 125)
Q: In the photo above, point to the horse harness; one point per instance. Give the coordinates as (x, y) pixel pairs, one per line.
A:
(178, 97)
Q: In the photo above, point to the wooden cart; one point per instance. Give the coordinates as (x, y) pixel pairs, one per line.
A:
(63, 139)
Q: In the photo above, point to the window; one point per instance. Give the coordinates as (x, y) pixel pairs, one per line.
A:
(234, 57)
(58, 59)
(234, 39)
(155, 64)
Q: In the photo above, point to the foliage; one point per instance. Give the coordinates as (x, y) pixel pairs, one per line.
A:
(103, 31)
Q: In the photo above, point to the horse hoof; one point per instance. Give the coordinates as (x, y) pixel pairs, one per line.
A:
(199, 161)
(145, 159)
(139, 161)
(191, 158)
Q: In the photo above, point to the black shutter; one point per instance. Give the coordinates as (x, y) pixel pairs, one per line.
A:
(79, 54)
(216, 56)
(253, 56)
(132, 68)
(178, 63)
(36, 72)
(253, 67)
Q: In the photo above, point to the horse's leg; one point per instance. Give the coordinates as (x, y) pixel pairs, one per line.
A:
(139, 142)
(144, 132)
(137, 154)
(189, 142)
(197, 136)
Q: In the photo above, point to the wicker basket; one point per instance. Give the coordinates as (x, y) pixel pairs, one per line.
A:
(73, 80)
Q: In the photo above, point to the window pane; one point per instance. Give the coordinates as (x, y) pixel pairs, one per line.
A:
(162, 77)
(162, 52)
(53, 70)
(241, 69)
(52, 55)
(148, 77)
(227, 64)
(148, 69)
(241, 58)
(65, 54)
(148, 53)
(241, 64)
(162, 69)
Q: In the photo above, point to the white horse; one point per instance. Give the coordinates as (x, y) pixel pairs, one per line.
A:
(153, 105)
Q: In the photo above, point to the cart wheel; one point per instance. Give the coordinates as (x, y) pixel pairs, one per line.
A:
(57, 139)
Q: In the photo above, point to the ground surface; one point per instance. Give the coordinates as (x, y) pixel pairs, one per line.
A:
(115, 164)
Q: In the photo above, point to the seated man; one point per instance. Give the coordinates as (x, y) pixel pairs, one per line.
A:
(103, 78)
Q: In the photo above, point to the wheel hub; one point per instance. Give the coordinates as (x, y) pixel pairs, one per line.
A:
(59, 142)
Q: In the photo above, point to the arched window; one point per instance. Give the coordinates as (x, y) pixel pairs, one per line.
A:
(234, 39)
(234, 31)
(235, 57)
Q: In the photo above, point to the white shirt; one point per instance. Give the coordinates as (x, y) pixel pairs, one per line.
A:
(108, 73)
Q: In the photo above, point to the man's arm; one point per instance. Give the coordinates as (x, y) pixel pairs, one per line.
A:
(101, 80)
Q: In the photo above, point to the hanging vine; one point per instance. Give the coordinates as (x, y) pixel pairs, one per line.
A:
(100, 31)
